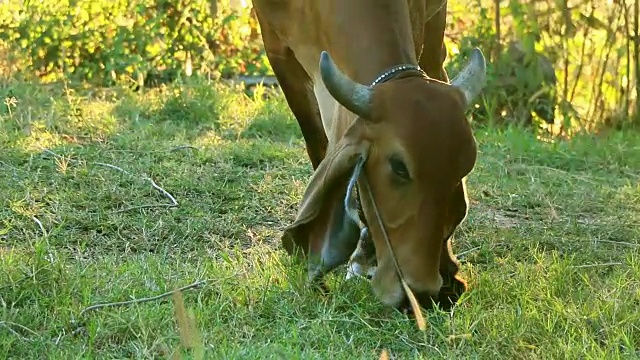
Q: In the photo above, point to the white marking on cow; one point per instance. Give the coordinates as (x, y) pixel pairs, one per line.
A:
(354, 269)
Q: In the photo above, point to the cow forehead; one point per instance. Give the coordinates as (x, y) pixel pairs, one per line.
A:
(427, 121)
(419, 104)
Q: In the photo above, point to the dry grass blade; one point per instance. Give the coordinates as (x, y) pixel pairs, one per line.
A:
(422, 325)
(384, 355)
(189, 335)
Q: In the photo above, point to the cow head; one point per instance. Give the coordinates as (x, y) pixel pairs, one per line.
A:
(415, 146)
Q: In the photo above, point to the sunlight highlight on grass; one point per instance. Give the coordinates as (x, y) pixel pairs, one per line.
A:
(23, 208)
(39, 138)
(96, 120)
(210, 139)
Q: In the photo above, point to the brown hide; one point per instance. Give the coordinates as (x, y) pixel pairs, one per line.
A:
(414, 122)
(335, 167)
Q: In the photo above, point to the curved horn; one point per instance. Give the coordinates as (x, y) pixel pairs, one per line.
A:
(353, 96)
(472, 77)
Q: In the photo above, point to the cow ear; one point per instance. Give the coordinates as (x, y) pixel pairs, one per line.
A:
(325, 184)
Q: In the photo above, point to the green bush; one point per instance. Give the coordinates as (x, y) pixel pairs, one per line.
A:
(145, 40)
(564, 68)
(555, 65)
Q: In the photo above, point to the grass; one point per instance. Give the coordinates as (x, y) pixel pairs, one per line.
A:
(551, 246)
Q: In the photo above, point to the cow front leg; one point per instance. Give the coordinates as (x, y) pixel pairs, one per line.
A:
(363, 261)
(434, 51)
(295, 84)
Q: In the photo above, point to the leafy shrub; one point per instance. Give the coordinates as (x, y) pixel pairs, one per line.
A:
(569, 66)
(145, 40)
(562, 65)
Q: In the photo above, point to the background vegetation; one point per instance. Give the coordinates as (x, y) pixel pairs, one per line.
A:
(572, 61)
(130, 165)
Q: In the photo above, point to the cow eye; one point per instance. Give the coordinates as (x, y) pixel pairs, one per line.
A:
(399, 168)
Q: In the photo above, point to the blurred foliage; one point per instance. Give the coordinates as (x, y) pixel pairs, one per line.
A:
(144, 40)
(563, 65)
(555, 64)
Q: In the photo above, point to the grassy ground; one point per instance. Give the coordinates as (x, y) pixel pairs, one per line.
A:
(550, 247)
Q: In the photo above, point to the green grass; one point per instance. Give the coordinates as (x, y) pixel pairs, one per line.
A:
(551, 246)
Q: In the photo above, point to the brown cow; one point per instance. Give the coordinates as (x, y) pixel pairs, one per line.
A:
(407, 131)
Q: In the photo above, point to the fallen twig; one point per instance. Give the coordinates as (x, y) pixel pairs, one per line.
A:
(143, 300)
(113, 167)
(163, 191)
(9, 326)
(174, 202)
(463, 253)
(595, 265)
(44, 233)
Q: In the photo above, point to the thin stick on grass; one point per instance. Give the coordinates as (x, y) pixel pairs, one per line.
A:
(44, 233)
(113, 167)
(10, 325)
(143, 300)
(174, 202)
(164, 192)
(595, 265)
(466, 252)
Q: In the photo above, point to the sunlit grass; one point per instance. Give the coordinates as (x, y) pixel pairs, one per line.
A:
(550, 247)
